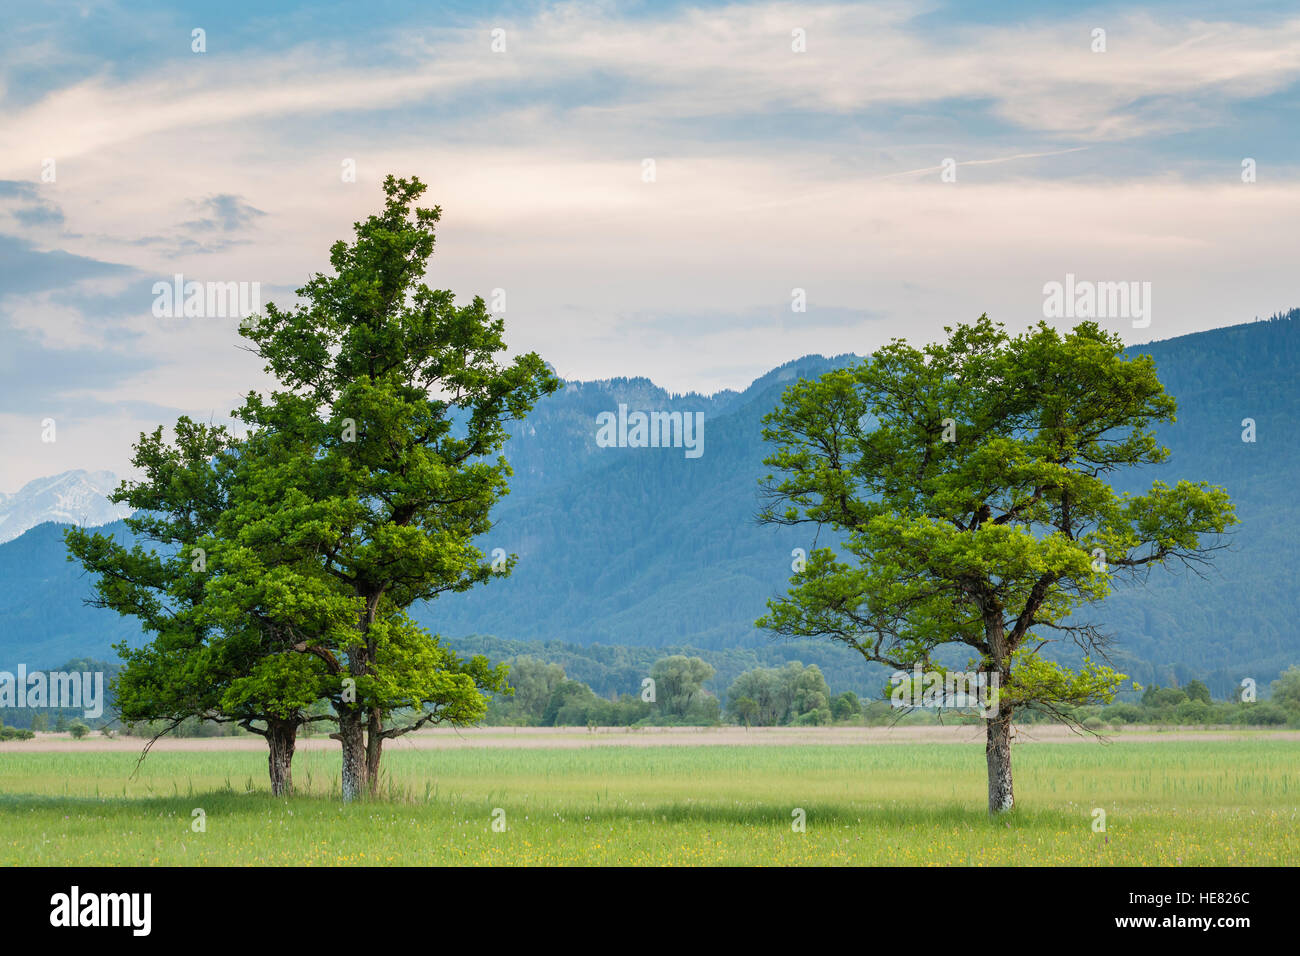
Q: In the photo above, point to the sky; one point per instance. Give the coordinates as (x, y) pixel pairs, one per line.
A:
(648, 183)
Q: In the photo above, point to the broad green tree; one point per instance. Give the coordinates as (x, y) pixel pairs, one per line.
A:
(372, 468)
(569, 699)
(781, 695)
(745, 709)
(846, 706)
(189, 666)
(1285, 690)
(679, 683)
(765, 689)
(811, 698)
(1196, 690)
(532, 681)
(969, 483)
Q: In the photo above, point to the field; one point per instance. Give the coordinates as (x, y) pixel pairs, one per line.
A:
(1189, 799)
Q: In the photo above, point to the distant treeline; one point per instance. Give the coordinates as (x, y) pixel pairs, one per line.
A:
(40, 719)
(795, 694)
(790, 694)
(598, 565)
(614, 670)
(671, 693)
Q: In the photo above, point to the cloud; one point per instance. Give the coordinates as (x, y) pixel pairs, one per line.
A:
(223, 212)
(1157, 75)
(23, 201)
(687, 325)
(775, 170)
(40, 380)
(25, 269)
(174, 246)
(11, 189)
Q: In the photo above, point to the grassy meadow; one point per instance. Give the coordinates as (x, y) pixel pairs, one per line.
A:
(1188, 802)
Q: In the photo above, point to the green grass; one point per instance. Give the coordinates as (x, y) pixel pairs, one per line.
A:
(1169, 803)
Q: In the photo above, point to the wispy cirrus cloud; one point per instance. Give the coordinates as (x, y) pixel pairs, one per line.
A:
(590, 64)
(774, 170)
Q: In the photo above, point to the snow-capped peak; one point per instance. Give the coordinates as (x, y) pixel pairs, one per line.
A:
(73, 497)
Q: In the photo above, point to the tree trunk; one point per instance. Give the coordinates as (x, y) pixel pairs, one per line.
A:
(352, 735)
(998, 754)
(374, 750)
(997, 751)
(281, 738)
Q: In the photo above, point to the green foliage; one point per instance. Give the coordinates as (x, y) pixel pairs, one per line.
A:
(969, 479)
(532, 683)
(367, 476)
(1286, 690)
(542, 695)
(1196, 690)
(568, 704)
(1264, 714)
(573, 704)
(846, 706)
(815, 717)
(78, 729)
(1193, 711)
(614, 670)
(570, 498)
(1047, 684)
(744, 709)
(1123, 713)
(200, 661)
(679, 684)
(190, 727)
(793, 694)
(1157, 697)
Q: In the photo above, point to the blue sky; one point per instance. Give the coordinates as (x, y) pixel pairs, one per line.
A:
(774, 170)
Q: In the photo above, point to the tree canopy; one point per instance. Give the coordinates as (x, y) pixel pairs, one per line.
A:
(197, 662)
(369, 473)
(969, 479)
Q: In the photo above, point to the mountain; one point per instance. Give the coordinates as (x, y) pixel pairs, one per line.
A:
(642, 546)
(650, 548)
(74, 497)
(44, 619)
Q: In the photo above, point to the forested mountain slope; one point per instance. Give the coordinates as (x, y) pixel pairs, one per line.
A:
(650, 547)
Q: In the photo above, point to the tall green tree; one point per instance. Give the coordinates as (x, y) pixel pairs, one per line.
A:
(781, 695)
(1286, 689)
(192, 665)
(745, 709)
(532, 681)
(969, 482)
(371, 470)
(679, 682)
